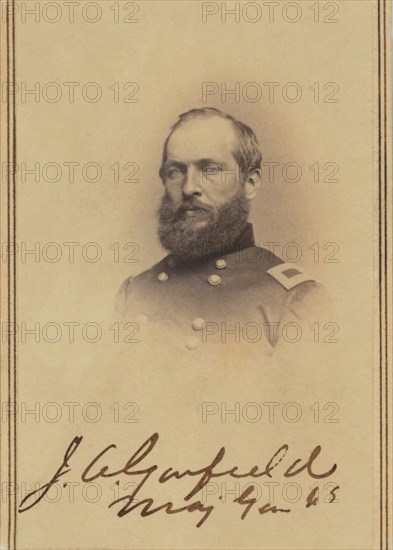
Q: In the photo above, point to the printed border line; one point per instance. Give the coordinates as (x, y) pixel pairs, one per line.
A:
(14, 260)
(11, 274)
(383, 319)
(386, 282)
(379, 279)
(8, 276)
(383, 278)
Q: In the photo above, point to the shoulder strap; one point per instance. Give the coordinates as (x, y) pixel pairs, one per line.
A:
(289, 275)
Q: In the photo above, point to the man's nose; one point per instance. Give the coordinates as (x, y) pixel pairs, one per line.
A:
(192, 183)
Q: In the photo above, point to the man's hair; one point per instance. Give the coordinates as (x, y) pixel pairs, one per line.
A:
(248, 155)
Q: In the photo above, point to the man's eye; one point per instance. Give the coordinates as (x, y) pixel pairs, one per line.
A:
(212, 168)
(173, 172)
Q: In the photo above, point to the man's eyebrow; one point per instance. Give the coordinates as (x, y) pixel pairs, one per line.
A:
(170, 162)
(200, 162)
(208, 161)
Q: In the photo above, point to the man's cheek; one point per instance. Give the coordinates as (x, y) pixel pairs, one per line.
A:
(174, 194)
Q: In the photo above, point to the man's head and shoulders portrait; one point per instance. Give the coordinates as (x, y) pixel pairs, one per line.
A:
(215, 275)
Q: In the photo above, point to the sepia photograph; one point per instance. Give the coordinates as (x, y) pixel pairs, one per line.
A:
(215, 274)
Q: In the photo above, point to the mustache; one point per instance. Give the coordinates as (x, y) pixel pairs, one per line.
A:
(191, 204)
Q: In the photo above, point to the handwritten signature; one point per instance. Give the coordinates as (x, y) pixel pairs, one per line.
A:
(98, 469)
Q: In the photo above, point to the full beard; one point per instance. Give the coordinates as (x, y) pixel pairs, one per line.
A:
(188, 239)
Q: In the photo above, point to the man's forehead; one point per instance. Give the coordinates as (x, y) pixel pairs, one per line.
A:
(202, 138)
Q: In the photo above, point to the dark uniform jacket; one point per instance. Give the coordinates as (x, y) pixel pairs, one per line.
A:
(245, 296)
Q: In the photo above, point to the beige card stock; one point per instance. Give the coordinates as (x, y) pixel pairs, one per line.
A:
(226, 411)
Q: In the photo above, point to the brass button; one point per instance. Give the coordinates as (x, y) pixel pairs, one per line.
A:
(171, 262)
(221, 263)
(198, 323)
(162, 277)
(214, 279)
(192, 343)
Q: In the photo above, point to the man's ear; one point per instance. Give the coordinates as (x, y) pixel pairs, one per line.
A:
(252, 183)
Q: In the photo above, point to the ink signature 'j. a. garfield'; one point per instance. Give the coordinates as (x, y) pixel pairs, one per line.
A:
(98, 468)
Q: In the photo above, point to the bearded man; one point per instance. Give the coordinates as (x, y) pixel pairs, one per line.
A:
(214, 276)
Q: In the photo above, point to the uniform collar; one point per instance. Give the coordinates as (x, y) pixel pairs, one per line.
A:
(244, 240)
